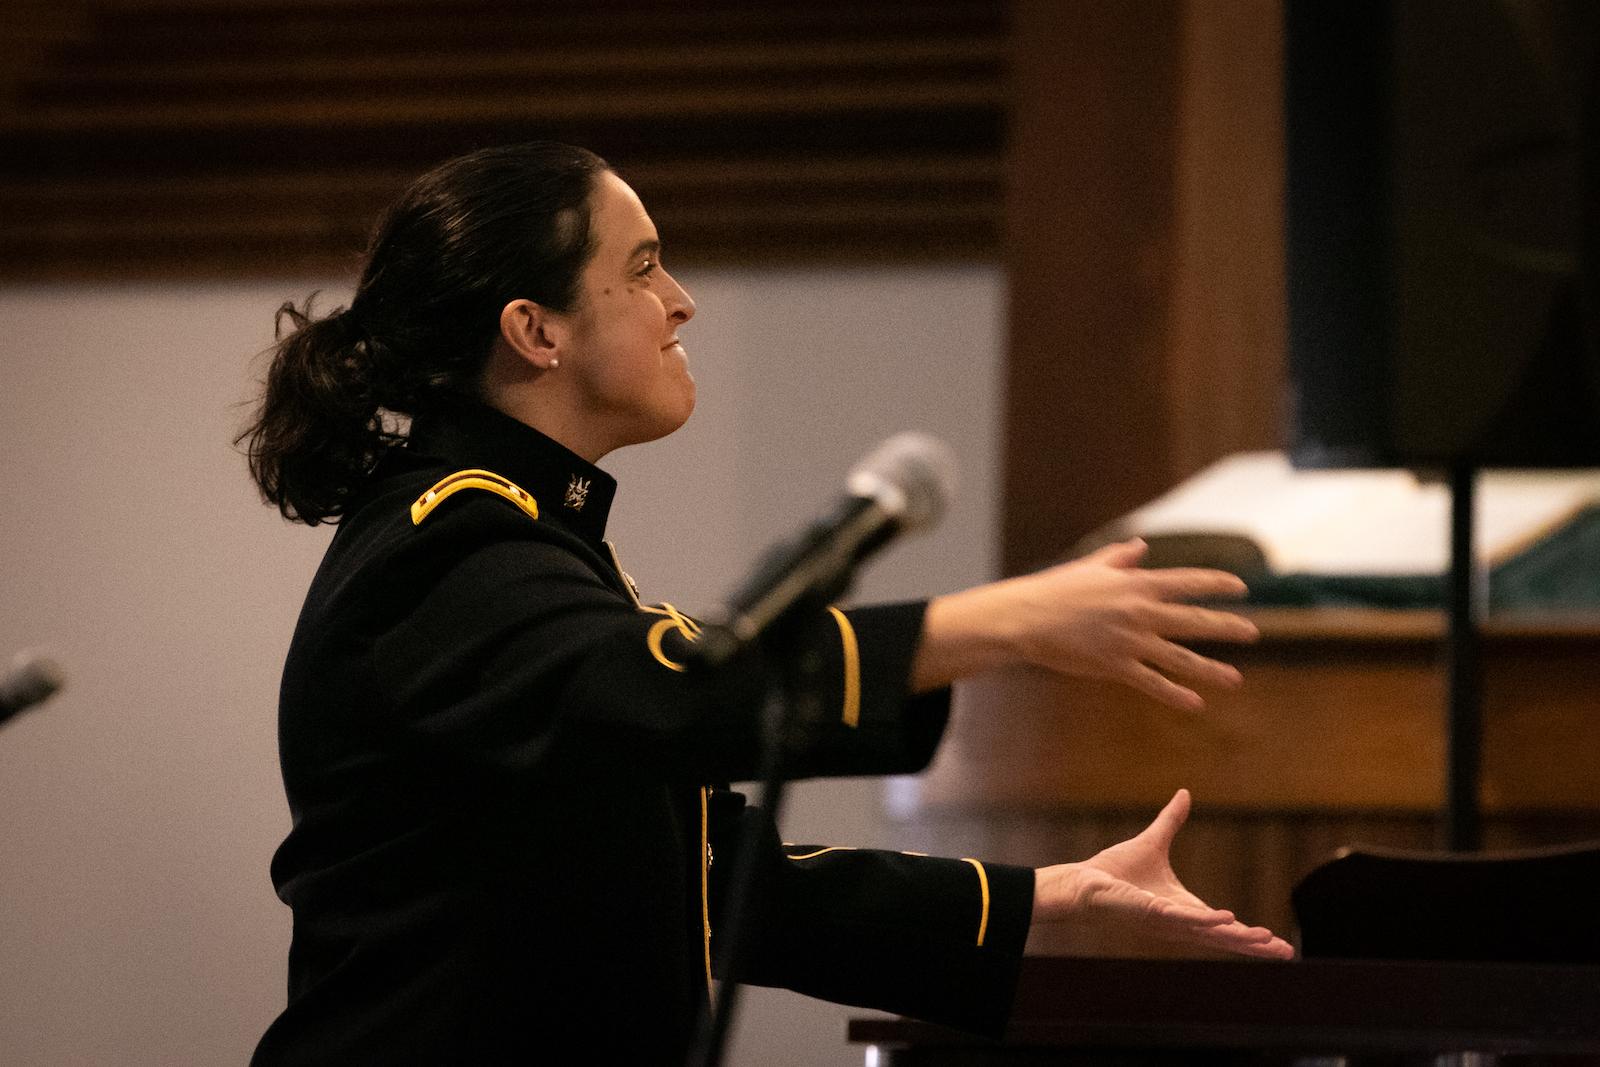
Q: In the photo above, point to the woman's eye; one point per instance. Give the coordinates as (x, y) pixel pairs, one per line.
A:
(648, 268)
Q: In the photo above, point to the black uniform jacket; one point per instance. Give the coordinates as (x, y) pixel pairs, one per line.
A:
(503, 843)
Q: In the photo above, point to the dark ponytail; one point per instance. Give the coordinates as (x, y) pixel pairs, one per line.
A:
(466, 239)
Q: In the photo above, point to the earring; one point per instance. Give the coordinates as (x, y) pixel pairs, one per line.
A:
(554, 363)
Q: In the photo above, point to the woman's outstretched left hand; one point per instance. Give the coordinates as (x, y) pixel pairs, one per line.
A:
(1101, 616)
(1131, 886)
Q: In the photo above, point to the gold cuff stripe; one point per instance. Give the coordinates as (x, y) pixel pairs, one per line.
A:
(821, 851)
(705, 883)
(983, 885)
(474, 478)
(852, 670)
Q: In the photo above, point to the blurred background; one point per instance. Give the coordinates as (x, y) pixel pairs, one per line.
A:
(1048, 231)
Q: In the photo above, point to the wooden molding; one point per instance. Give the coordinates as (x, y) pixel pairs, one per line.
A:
(230, 137)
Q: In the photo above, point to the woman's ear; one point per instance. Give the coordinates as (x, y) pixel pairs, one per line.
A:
(533, 332)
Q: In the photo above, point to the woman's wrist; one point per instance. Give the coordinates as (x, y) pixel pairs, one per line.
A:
(963, 634)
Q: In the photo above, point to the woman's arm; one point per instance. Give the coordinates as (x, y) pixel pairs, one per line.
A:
(511, 642)
(935, 938)
(1096, 617)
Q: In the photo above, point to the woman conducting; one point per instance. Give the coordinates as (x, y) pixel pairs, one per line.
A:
(507, 833)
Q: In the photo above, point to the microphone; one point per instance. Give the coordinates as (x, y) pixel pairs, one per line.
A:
(31, 679)
(903, 486)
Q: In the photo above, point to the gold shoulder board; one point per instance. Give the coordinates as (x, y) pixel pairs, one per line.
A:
(472, 479)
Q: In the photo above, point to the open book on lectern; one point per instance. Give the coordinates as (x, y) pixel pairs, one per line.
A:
(1254, 514)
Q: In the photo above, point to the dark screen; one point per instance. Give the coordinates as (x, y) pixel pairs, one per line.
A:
(1441, 228)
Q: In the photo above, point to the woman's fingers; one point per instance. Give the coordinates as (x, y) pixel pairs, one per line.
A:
(1221, 930)
(1193, 583)
(1119, 554)
(1153, 682)
(1168, 821)
(1269, 947)
(1168, 671)
(1180, 662)
(1190, 623)
(1275, 949)
(1190, 915)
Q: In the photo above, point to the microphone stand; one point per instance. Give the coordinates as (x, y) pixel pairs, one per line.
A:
(791, 708)
(1463, 817)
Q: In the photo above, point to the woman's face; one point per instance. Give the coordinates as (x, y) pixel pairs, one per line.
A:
(630, 372)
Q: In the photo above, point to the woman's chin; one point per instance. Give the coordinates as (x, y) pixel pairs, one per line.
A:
(666, 420)
(685, 406)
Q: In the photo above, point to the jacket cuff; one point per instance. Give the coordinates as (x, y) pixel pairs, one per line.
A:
(1010, 915)
(870, 721)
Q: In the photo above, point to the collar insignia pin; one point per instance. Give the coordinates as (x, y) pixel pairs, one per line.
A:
(577, 493)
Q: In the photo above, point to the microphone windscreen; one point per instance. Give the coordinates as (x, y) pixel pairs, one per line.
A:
(913, 475)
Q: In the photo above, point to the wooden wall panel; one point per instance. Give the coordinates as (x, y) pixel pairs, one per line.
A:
(1089, 247)
(31, 32)
(1226, 375)
(1144, 252)
(250, 136)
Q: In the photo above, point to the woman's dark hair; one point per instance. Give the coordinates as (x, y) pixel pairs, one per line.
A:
(467, 238)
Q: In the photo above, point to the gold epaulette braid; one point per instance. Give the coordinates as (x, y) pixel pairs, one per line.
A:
(472, 479)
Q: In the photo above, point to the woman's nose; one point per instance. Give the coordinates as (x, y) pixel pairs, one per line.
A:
(682, 308)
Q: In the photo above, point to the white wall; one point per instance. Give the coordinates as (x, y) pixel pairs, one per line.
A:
(138, 810)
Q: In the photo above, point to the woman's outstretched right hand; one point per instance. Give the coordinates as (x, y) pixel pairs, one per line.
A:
(1131, 886)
